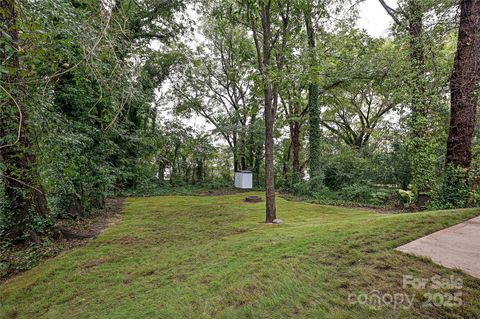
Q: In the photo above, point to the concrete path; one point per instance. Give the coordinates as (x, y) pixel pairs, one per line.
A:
(454, 247)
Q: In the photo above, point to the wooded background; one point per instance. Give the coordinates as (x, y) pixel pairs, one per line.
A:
(292, 90)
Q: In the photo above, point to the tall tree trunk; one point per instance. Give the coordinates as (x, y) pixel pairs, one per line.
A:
(464, 85)
(235, 161)
(421, 145)
(257, 161)
(242, 161)
(199, 171)
(313, 108)
(269, 114)
(269, 161)
(175, 166)
(23, 189)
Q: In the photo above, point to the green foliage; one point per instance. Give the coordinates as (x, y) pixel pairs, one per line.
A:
(324, 194)
(95, 84)
(400, 164)
(7, 217)
(423, 162)
(314, 136)
(362, 177)
(454, 190)
(345, 168)
(354, 195)
(407, 197)
(357, 193)
(14, 260)
(91, 119)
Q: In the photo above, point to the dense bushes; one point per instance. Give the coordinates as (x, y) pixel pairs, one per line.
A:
(358, 176)
(359, 194)
(85, 95)
(355, 194)
(454, 190)
(344, 169)
(384, 180)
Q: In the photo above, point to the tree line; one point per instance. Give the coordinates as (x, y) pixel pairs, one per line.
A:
(95, 97)
(322, 79)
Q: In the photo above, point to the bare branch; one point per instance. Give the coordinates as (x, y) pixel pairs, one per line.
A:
(391, 12)
(20, 120)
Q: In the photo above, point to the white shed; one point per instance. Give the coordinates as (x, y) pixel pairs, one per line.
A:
(244, 179)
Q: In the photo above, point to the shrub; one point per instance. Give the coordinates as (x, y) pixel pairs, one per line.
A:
(357, 193)
(304, 188)
(406, 197)
(325, 194)
(381, 197)
(454, 191)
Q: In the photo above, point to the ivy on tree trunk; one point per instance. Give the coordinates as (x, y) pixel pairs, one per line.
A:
(313, 108)
(23, 190)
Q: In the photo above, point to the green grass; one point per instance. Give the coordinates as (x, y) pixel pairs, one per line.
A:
(212, 257)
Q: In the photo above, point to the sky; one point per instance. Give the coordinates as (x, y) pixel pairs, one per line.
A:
(373, 17)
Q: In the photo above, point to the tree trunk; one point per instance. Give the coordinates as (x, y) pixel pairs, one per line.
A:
(269, 115)
(175, 166)
(313, 109)
(287, 182)
(161, 171)
(236, 167)
(199, 171)
(296, 145)
(464, 87)
(420, 146)
(417, 53)
(23, 189)
(242, 149)
(257, 162)
(255, 152)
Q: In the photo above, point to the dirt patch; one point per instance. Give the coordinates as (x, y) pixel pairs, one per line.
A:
(220, 192)
(98, 222)
(19, 258)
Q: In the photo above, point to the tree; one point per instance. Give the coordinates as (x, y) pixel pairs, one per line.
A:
(294, 108)
(270, 24)
(313, 107)
(464, 84)
(357, 112)
(24, 192)
(264, 42)
(411, 20)
(215, 82)
(84, 126)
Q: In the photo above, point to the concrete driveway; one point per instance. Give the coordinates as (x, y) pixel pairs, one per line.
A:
(454, 247)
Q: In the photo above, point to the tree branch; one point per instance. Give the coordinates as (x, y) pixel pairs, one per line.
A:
(391, 12)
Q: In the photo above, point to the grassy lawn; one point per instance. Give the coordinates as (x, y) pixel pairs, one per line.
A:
(211, 256)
